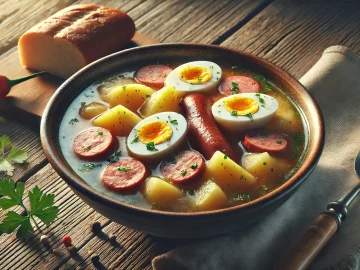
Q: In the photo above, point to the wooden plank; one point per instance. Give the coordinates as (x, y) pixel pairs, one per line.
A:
(293, 34)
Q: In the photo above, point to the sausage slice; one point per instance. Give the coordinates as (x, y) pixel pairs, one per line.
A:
(262, 141)
(240, 84)
(94, 144)
(185, 167)
(153, 75)
(123, 174)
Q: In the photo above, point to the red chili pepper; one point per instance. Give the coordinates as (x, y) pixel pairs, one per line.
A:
(6, 84)
(66, 240)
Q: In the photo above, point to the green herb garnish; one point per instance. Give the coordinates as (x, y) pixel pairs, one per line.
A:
(183, 172)
(241, 197)
(100, 133)
(114, 157)
(297, 113)
(41, 206)
(191, 192)
(249, 115)
(73, 121)
(174, 122)
(233, 113)
(147, 96)
(225, 156)
(86, 167)
(124, 87)
(279, 142)
(82, 103)
(16, 155)
(194, 166)
(136, 139)
(151, 146)
(123, 169)
(234, 67)
(234, 88)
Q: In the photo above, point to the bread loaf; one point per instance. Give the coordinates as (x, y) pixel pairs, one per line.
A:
(73, 38)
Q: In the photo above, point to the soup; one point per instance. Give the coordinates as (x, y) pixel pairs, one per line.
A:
(183, 137)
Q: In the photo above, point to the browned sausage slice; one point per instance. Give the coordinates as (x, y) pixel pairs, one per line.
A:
(123, 174)
(262, 141)
(203, 132)
(239, 84)
(153, 75)
(94, 143)
(186, 166)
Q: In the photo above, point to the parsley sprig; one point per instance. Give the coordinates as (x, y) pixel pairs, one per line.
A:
(16, 155)
(41, 206)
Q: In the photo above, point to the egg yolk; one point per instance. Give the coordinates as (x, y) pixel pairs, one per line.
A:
(241, 105)
(195, 75)
(156, 132)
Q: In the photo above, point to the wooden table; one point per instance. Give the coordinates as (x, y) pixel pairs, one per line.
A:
(291, 34)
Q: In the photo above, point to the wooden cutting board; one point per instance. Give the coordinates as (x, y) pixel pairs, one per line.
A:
(30, 97)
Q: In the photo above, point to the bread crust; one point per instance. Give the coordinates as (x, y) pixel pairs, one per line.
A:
(94, 30)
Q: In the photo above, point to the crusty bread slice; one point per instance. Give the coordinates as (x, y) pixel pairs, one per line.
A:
(73, 38)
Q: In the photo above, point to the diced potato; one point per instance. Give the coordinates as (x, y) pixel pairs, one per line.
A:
(210, 197)
(161, 193)
(230, 176)
(287, 119)
(165, 100)
(131, 96)
(112, 83)
(265, 168)
(119, 120)
(92, 109)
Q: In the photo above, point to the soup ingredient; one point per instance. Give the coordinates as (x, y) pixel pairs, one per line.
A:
(161, 193)
(119, 120)
(164, 100)
(66, 240)
(157, 135)
(153, 75)
(265, 168)
(195, 76)
(6, 84)
(113, 82)
(131, 96)
(94, 144)
(87, 167)
(203, 131)
(41, 206)
(229, 175)
(89, 111)
(244, 111)
(73, 38)
(16, 155)
(264, 141)
(123, 174)
(239, 84)
(184, 167)
(210, 197)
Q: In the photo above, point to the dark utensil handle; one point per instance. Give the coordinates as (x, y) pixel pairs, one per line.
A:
(311, 243)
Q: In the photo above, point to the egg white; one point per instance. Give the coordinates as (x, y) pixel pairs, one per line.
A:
(240, 123)
(173, 77)
(139, 149)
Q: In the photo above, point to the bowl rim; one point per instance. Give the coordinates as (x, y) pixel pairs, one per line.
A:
(82, 187)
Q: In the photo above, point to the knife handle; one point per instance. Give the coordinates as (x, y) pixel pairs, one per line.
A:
(312, 242)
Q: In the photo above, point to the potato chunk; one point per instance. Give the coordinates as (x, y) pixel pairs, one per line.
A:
(210, 197)
(287, 119)
(265, 168)
(230, 176)
(119, 120)
(161, 193)
(165, 100)
(131, 96)
(92, 109)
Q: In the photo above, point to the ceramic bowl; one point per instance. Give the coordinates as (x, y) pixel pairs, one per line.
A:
(169, 224)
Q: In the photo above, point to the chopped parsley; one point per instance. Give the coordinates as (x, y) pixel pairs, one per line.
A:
(260, 78)
(194, 166)
(260, 98)
(164, 75)
(123, 169)
(174, 122)
(114, 157)
(73, 121)
(241, 197)
(136, 139)
(235, 67)
(183, 172)
(234, 113)
(297, 114)
(86, 167)
(249, 115)
(82, 103)
(100, 133)
(298, 138)
(279, 142)
(225, 156)
(124, 87)
(264, 163)
(234, 88)
(191, 192)
(151, 146)
(147, 96)
(199, 79)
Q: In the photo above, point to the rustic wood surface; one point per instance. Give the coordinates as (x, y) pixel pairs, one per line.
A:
(291, 34)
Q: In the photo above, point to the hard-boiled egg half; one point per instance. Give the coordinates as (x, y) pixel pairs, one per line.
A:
(244, 111)
(157, 135)
(197, 76)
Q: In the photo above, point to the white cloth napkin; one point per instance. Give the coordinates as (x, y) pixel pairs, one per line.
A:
(334, 81)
